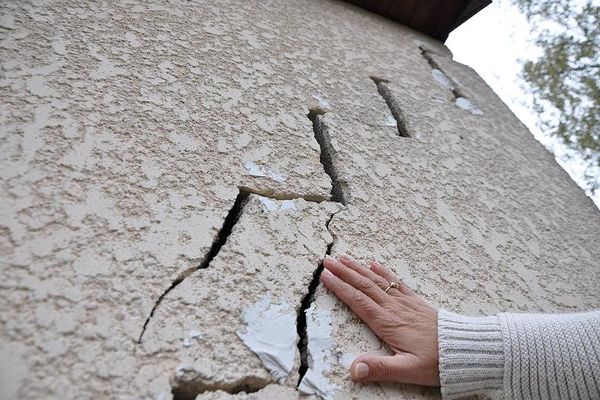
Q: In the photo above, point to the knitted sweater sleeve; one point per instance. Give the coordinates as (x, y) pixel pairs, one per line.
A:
(520, 356)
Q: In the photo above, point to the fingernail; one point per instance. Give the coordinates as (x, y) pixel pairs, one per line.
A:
(326, 273)
(361, 370)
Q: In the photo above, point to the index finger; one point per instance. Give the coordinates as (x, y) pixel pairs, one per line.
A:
(361, 304)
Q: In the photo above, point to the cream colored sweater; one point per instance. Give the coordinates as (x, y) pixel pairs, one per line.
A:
(520, 356)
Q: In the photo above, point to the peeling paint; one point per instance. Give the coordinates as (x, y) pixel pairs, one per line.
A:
(270, 205)
(320, 343)
(257, 170)
(466, 104)
(391, 121)
(347, 359)
(271, 335)
(193, 334)
(441, 78)
(322, 102)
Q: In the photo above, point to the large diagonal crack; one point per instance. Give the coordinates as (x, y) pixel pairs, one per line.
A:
(230, 220)
(182, 389)
(392, 104)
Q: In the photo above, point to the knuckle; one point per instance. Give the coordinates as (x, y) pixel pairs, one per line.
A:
(382, 283)
(357, 297)
(382, 369)
(390, 308)
(365, 285)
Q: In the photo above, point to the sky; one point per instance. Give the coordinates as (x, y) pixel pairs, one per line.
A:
(494, 42)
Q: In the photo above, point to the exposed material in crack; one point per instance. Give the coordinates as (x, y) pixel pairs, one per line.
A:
(305, 304)
(230, 220)
(392, 103)
(281, 195)
(459, 98)
(456, 92)
(339, 188)
(188, 390)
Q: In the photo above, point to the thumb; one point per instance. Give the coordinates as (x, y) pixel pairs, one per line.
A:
(374, 368)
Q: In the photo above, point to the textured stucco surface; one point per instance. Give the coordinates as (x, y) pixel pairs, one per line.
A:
(128, 129)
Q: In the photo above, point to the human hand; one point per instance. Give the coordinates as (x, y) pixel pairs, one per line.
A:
(405, 322)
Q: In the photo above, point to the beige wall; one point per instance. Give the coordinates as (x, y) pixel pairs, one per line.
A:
(128, 131)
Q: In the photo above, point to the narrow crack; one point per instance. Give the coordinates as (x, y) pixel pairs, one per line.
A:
(188, 390)
(305, 304)
(230, 220)
(339, 187)
(393, 105)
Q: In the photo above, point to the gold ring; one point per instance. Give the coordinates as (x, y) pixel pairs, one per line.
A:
(392, 285)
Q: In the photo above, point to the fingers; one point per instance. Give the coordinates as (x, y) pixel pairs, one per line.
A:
(361, 304)
(382, 282)
(356, 280)
(391, 277)
(403, 367)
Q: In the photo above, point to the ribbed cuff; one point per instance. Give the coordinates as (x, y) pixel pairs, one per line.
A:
(471, 355)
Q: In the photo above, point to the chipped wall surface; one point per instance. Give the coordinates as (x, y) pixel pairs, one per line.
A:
(172, 172)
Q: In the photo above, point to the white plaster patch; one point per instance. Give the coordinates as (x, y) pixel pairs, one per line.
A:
(391, 121)
(271, 335)
(318, 330)
(347, 359)
(270, 205)
(192, 335)
(441, 78)
(466, 104)
(257, 170)
(322, 102)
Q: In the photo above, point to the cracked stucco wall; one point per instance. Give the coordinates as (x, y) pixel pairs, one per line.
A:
(128, 131)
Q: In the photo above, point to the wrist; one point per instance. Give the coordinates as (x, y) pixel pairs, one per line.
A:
(471, 355)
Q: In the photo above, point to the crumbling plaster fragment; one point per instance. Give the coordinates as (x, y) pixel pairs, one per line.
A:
(270, 333)
(125, 132)
(320, 344)
(338, 340)
(269, 392)
(260, 275)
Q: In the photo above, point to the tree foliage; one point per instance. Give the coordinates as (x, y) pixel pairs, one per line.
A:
(565, 79)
